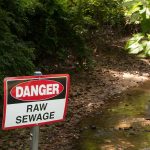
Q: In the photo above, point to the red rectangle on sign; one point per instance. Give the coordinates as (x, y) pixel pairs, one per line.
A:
(35, 100)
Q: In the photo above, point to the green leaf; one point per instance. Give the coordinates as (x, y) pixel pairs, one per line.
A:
(147, 13)
(135, 48)
(133, 45)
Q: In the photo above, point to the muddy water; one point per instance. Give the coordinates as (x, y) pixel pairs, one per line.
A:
(123, 125)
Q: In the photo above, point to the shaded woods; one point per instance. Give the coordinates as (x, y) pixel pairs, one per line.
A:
(47, 34)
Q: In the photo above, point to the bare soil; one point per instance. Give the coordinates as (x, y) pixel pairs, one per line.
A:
(90, 91)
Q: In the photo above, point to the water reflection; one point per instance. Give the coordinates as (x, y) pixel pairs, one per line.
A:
(122, 126)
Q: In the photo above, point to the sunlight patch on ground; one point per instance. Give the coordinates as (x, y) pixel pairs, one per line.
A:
(136, 77)
(108, 147)
(120, 145)
(129, 122)
(90, 106)
(128, 76)
(147, 61)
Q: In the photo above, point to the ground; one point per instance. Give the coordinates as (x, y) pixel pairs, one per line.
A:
(90, 91)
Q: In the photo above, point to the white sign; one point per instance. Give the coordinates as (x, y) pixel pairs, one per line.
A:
(34, 100)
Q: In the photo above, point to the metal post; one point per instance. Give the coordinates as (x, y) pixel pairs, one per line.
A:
(34, 137)
(34, 134)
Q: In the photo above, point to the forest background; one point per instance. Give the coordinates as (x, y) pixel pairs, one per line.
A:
(47, 34)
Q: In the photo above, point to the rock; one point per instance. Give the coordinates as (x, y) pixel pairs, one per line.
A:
(93, 127)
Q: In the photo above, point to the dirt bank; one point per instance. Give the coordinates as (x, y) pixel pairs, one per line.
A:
(91, 90)
(114, 73)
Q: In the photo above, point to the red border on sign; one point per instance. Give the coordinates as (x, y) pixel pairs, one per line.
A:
(34, 77)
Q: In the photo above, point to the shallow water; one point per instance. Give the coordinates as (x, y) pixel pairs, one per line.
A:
(123, 125)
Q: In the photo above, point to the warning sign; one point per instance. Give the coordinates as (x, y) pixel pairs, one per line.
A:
(34, 100)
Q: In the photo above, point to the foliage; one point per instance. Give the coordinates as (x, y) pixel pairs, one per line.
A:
(38, 32)
(89, 15)
(138, 12)
(54, 34)
(15, 55)
(139, 44)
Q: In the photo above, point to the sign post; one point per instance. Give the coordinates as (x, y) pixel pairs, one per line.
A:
(34, 134)
(34, 137)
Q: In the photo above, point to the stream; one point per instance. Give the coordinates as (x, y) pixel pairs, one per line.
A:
(123, 125)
